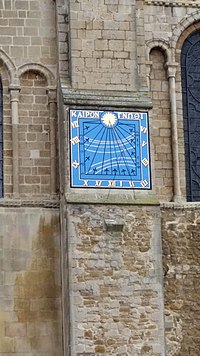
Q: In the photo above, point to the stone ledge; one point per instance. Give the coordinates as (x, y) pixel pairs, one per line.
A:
(139, 100)
(117, 199)
(178, 206)
(46, 203)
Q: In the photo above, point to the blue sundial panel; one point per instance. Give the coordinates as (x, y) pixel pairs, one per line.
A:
(109, 149)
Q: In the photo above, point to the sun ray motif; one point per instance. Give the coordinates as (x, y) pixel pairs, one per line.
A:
(109, 119)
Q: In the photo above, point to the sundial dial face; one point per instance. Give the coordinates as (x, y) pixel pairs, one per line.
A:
(109, 149)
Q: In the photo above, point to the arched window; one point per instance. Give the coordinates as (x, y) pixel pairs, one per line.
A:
(190, 68)
(1, 139)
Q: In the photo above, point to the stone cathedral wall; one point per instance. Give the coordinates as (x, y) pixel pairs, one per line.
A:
(28, 65)
(134, 270)
(30, 284)
(103, 45)
(116, 304)
(180, 241)
(30, 276)
(124, 297)
(166, 26)
(121, 277)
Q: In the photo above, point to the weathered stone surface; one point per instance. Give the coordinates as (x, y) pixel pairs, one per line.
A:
(102, 29)
(180, 235)
(34, 146)
(30, 290)
(116, 281)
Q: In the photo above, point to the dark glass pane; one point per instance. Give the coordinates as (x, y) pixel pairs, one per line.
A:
(190, 67)
(1, 156)
(1, 134)
(1, 188)
(1, 169)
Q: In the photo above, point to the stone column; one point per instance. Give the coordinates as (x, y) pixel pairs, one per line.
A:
(14, 99)
(171, 72)
(52, 125)
(148, 72)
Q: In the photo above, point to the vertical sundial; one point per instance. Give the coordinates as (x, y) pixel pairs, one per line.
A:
(109, 149)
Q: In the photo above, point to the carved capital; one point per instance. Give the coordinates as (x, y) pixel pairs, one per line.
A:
(171, 69)
(52, 95)
(14, 93)
(148, 68)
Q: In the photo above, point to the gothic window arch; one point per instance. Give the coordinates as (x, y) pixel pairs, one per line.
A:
(190, 70)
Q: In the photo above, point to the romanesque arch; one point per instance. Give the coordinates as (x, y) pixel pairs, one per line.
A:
(183, 29)
(37, 124)
(37, 67)
(10, 67)
(158, 43)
